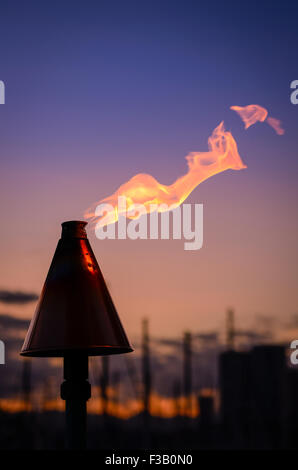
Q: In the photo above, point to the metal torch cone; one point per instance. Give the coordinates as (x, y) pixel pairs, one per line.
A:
(75, 318)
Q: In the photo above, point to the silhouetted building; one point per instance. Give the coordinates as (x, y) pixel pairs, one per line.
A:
(146, 371)
(187, 376)
(252, 389)
(104, 383)
(234, 383)
(177, 396)
(230, 328)
(206, 420)
(26, 383)
(291, 409)
(268, 367)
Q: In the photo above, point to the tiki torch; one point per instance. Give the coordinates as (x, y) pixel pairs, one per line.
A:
(75, 318)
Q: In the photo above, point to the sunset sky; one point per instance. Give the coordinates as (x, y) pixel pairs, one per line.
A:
(97, 92)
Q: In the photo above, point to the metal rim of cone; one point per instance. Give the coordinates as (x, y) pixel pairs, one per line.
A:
(90, 351)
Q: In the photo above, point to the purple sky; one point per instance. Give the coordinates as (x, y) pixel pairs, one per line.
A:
(99, 91)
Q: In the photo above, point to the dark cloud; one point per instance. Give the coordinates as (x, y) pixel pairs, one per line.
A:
(291, 322)
(17, 297)
(210, 336)
(7, 322)
(254, 335)
(168, 342)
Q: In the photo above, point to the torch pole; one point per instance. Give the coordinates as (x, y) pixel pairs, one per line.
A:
(76, 390)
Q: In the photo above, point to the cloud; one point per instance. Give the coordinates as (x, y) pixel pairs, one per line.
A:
(292, 322)
(7, 321)
(17, 297)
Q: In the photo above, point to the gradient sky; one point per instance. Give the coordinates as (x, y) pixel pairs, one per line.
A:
(98, 91)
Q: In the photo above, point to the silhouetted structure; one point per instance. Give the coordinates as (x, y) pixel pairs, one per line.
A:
(146, 371)
(252, 389)
(291, 409)
(104, 384)
(26, 383)
(230, 329)
(268, 380)
(116, 382)
(234, 383)
(187, 372)
(206, 420)
(177, 396)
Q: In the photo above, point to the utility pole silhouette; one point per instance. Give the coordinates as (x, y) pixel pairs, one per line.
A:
(146, 376)
(230, 329)
(26, 383)
(187, 376)
(116, 378)
(104, 384)
(177, 396)
(146, 372)
(28, 430)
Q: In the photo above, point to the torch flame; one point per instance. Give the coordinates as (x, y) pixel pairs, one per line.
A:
(276, 124)
(253, 112)
(146, 190)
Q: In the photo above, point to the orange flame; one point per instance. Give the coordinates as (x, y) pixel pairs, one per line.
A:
(253, 112)
(146, 190)
(276, 124)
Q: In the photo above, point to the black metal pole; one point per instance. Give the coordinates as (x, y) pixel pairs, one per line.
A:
(76, 390)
